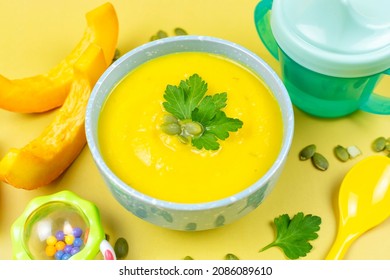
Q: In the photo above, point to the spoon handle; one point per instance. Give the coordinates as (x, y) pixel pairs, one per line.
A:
(340, 246)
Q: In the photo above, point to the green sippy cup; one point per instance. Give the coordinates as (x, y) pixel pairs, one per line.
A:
(332, 53)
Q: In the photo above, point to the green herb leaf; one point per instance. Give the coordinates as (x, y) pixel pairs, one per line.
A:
(221, 125)
(209, 107)
(183, 99)
(208, 141)
(188, 102)
(293, 235)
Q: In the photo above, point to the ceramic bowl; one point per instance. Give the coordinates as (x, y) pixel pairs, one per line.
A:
(182, 216)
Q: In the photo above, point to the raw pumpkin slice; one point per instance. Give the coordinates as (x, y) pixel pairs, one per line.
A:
(48, 91)
(48, 156)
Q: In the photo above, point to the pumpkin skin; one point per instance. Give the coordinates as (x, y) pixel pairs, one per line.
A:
(47, 91)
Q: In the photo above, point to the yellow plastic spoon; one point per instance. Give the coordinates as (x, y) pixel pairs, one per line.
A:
(364, 202)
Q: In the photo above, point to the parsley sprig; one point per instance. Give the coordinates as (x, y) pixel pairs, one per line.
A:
(293, 235)
(195, 116)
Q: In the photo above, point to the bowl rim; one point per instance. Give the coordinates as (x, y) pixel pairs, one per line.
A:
(287, 117)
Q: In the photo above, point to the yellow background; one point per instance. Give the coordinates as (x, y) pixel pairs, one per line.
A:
(35, 35)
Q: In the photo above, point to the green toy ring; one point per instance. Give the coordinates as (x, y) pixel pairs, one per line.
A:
(94, 237)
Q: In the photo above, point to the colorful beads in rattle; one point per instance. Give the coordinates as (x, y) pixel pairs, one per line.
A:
(63, 246)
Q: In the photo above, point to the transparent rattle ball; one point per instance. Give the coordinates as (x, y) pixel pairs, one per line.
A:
(55, 230)
(60, 226)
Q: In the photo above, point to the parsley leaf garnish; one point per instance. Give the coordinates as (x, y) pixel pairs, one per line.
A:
(182, 100)
(293, 235)
(197, 117)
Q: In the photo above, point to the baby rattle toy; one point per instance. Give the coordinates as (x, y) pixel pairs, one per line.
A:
(60, 226)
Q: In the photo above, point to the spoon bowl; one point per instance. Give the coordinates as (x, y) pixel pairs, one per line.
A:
(364, 200)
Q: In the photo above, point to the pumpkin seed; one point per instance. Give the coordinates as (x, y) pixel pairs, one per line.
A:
(320, 162)
(162, 34)
(183, 139)
(169, 119)
(307, 152)
(116, 55)
(341, 153)
(180, 31)
(193, 128)
(379, 144)
(171, 128)
(159, 35)
(154, 37)
(121, 248)
(353, 151)
(231, 257)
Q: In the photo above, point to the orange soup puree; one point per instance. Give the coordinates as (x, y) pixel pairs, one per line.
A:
(159, 165)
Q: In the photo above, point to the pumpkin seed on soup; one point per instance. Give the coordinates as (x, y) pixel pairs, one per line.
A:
(171, 128)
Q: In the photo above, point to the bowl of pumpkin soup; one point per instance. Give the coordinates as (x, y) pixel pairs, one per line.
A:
(190, 132)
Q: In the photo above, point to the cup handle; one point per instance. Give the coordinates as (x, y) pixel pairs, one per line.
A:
(263, 26)
(377, 104)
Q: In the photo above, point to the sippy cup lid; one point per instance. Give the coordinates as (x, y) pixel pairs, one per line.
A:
(343, 38)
